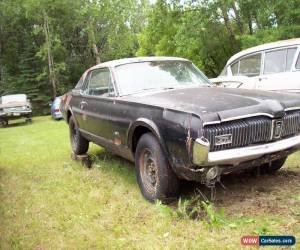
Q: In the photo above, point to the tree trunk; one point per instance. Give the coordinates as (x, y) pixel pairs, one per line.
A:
(96, 53)
(52, 76)
(226, 20)
(258, 24)
(238, 18)
(250, 25)
(1, 64)
(94, 44)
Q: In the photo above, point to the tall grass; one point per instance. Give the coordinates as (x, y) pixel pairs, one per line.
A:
(48, 201)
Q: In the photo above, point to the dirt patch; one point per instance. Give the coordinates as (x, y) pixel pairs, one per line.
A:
(247, 194)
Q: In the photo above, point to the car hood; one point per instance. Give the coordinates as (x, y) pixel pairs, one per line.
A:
(220, 104)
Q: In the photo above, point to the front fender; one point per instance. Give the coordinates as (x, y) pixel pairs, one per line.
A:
(149, 124)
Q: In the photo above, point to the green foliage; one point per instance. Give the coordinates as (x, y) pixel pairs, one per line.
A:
(163, 209)
(196, 209)
(207, 32)
(216, 218)
(75, 26)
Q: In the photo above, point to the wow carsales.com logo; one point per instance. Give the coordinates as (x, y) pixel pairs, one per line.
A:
(268, 240)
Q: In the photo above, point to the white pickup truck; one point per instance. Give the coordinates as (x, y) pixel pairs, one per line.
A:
(14, 107)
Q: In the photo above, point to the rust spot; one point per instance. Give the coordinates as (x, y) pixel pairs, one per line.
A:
(189, 138)
(69, 97)
(117, 141)
(189, 142)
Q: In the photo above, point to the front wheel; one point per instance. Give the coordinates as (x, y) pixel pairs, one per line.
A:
(28, 119)
(273, 167)
(155, 177)
(3, 123)
(79, 144)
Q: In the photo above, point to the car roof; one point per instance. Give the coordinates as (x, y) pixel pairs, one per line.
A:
(266, 46)
(119, 62)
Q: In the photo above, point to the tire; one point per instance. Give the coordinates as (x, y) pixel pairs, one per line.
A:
(3, 123)
(28, 119)
(79, 144)
(275, 166)
(156, 179)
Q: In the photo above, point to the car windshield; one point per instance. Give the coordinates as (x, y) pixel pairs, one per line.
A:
(13, 98)
(141, 76)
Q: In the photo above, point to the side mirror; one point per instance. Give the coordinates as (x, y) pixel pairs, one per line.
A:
(79, 91)
(82, 92)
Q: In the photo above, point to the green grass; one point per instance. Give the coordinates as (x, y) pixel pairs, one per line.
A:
(48, 201)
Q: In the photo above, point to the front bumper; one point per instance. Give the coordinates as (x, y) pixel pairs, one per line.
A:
(15, 113)
(57, 115)
(202, 156)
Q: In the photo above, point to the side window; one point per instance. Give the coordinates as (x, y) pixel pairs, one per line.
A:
(250, 66)
(298, 62)
(275, 61)
(279, 60)
(289, 58)
(235, 68)
(100, 83)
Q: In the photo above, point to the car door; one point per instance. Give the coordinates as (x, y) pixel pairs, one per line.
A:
(98, 96)
(78, 100)
(277, 70)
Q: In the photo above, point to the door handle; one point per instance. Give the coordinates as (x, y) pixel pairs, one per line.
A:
(262, 78)
(82, 104)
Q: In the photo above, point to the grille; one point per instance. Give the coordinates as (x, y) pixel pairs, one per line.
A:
(291, 124)
(251, 131)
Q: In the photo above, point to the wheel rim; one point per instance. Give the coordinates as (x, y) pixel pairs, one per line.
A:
(149, 171)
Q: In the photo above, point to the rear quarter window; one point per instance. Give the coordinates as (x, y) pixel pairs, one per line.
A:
(235, 68)
(298, 62)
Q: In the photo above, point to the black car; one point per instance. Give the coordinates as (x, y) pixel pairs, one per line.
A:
(163, 114)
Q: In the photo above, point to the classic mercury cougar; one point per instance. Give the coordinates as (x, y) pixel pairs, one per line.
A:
(165, 115)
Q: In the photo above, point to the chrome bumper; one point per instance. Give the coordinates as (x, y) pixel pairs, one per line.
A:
(202, 156)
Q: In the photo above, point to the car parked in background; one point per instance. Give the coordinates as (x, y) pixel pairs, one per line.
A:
(273, 66)
(165, 115)
(55, 110)
(14, 107)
